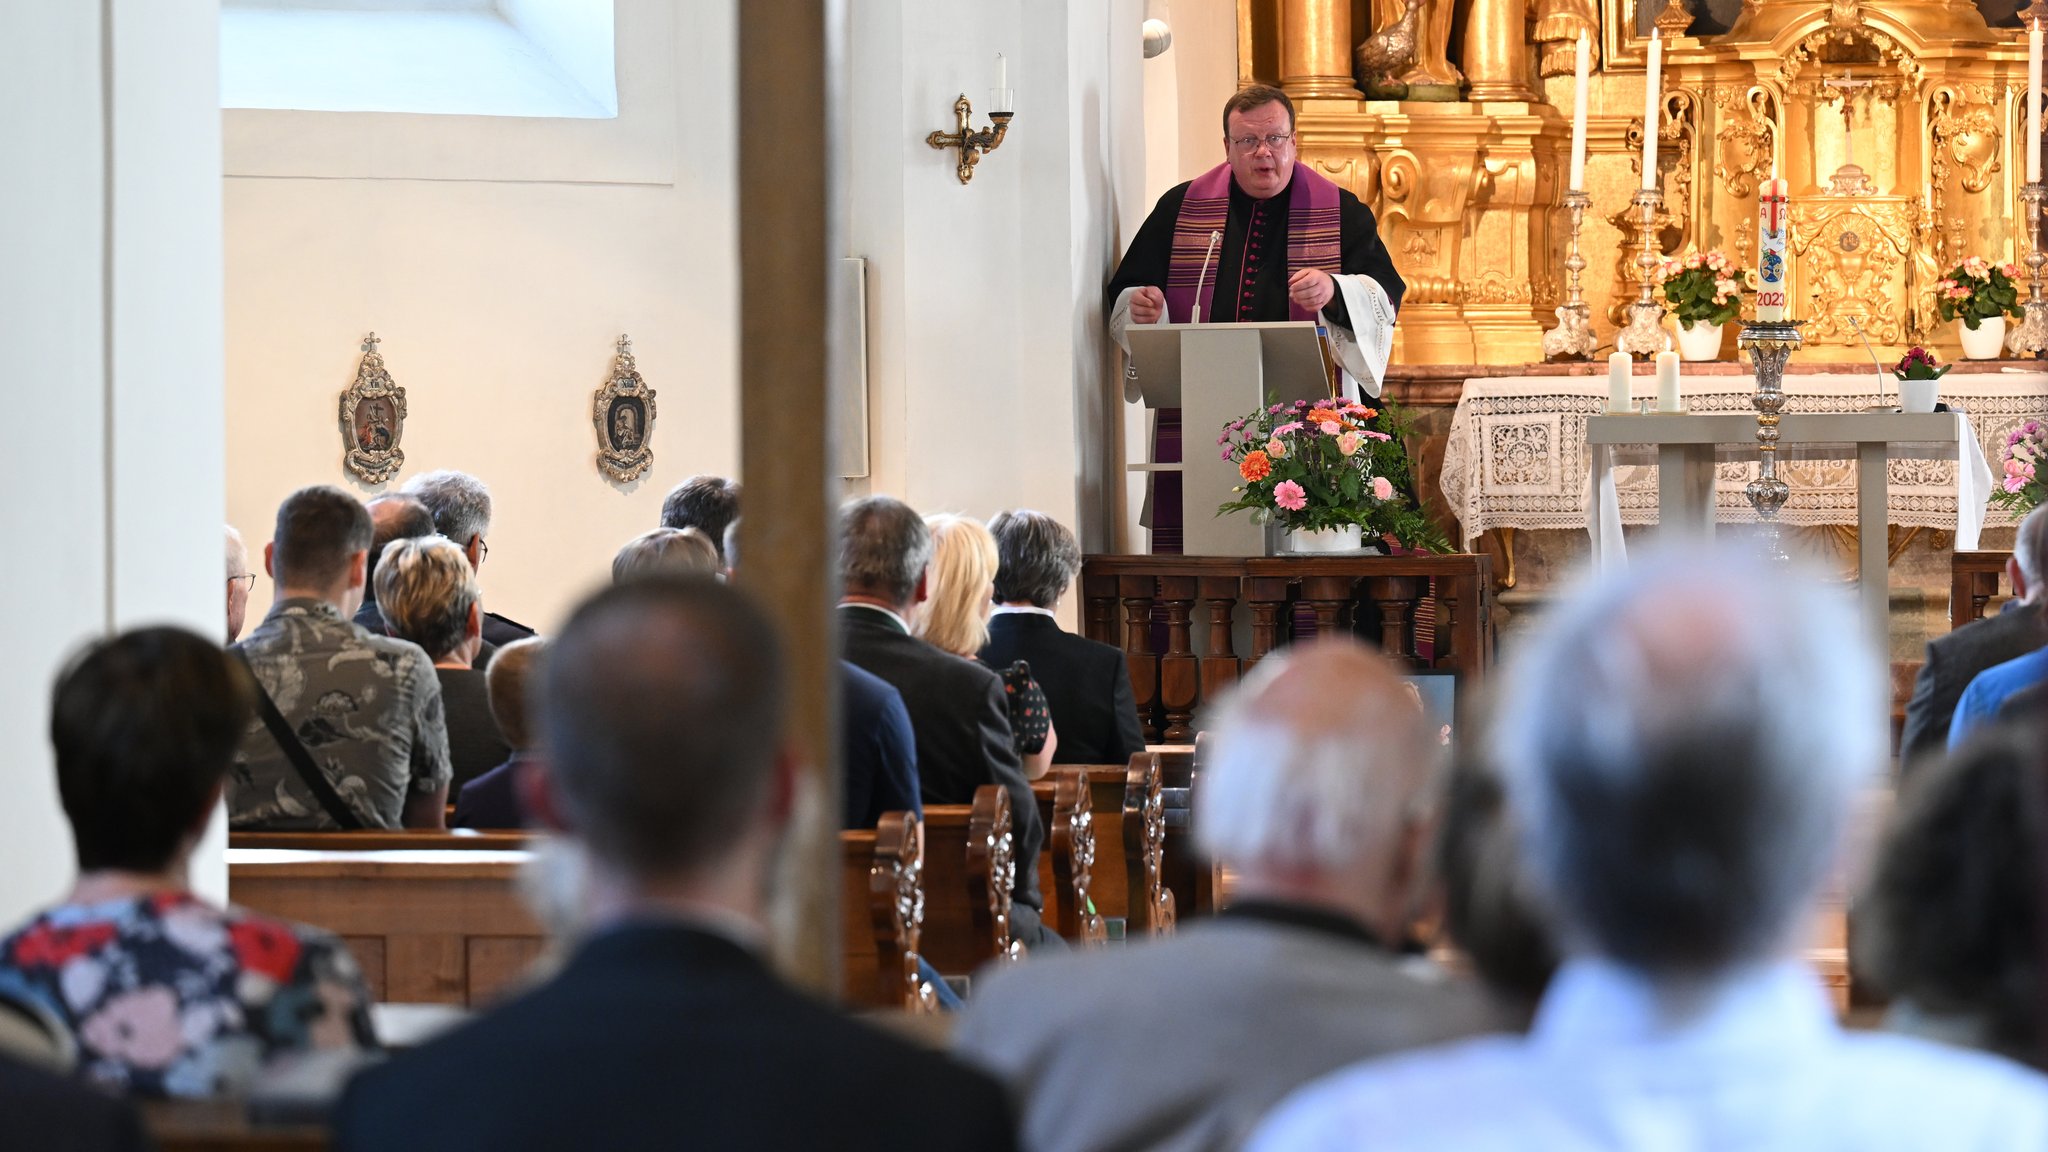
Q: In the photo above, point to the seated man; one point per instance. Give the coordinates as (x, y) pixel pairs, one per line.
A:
(877, 749)
(428, 595)
(707, 503)
(1955, 659)
(957, 706)
(666, 762)
(349, 732)
(392, 517)
(167, 994)
(462, 512)
(492, 799)
(1684, 744)
(1087, 684)
(1315, 797)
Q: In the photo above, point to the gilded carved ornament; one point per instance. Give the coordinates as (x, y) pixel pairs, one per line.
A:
(1853, 257)
(1745, 141)
(1964, 125)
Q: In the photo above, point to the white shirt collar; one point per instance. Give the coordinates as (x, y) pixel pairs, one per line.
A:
(1596, 1004)
(1022, 609)
(881, 611)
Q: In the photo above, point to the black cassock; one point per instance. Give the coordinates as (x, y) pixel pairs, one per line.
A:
(1255, 241)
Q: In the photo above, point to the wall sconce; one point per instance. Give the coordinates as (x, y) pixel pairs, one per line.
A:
(972, 145)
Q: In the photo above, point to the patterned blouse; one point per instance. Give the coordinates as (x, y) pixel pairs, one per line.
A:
(171, 996)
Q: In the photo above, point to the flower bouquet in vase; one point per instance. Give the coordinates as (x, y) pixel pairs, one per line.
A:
(1979, 295)
(1917, 372)
(2020, 488)
(1332, 473)
(1704, 292)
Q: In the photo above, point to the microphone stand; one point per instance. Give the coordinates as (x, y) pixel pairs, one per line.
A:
(1195, 313)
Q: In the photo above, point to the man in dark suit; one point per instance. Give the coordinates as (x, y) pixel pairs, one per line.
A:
(1956, 659)
(957, 707)
(48, 1113)
(662, 717)
(1087, 684)
(877, 748)
(462, 512)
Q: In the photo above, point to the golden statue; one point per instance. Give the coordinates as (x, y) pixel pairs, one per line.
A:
(1559, 24)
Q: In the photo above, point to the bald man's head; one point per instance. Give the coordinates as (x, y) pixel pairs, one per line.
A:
(1318, 769)
(393, 517)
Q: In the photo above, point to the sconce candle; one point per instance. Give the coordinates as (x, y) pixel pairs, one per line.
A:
(999, 99)
(1653, 108)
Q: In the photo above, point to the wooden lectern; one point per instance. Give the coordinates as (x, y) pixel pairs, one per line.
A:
(1215, 373)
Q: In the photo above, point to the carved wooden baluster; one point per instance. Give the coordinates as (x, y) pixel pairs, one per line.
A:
(1098, 593)
(1220, 665)
(992, 869)
(1073, 856)
(1268, 597)
(1327, 596)
(1395, 598)
(896, 905)
(1136, 593)
(1179, 674)
(1152, 908)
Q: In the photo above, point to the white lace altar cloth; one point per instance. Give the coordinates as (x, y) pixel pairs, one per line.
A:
(1517, 455)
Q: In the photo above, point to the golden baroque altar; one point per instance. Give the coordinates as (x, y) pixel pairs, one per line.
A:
(1899, 124)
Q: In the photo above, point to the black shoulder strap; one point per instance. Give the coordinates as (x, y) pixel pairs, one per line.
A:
(301, 760)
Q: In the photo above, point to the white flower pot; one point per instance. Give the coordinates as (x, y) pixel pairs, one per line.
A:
(1987, 342)
(1349, 538)
(1918, 395)
(1700, 340)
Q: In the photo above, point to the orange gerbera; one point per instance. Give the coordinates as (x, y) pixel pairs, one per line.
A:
(1255, 467)
(1324, 415)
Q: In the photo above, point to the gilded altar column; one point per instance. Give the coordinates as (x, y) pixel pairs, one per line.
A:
(1495, 56)
(1315, 50)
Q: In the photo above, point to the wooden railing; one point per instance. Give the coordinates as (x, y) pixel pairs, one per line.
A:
(1380, 598)
(1974, 578)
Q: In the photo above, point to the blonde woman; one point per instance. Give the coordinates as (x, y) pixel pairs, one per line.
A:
(959, 595)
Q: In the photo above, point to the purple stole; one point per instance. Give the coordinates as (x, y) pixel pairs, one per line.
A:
(1314, 238)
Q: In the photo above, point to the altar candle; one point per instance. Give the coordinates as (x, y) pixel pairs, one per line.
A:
(2034, 102)
(1653, 108)
(1578, 183)
(1770, 264)
(1667, 382)
(1620, 367)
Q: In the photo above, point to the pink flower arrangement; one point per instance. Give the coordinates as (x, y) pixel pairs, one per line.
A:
(1312, 466)
(1289, 495)
(2020, 461)
(1703, 288)
(1978, 290)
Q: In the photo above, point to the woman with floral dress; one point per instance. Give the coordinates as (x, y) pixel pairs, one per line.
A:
(168, 995)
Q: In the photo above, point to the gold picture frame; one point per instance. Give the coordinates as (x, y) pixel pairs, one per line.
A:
(372, 418)
(622, 411)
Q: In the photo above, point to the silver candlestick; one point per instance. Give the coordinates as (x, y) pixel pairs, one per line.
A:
(1769, 346)
(2031, 337)
(1644, 335)
(1573, 336)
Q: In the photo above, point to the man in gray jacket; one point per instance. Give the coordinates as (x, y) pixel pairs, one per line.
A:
(1315, 795)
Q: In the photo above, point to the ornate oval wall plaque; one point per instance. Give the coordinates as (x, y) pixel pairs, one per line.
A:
(623, 413)
(372, 419)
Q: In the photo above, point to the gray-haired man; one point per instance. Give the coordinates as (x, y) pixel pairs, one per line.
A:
(1683, 745)
(461, 506)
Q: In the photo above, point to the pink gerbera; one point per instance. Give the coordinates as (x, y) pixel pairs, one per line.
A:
(1289, 495)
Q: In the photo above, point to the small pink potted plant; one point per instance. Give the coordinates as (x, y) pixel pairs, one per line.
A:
(1978, 295)
(1917, 372)
(1703, 292)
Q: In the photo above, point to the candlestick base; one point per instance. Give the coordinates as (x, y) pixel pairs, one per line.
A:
(1645, 334)
(2030, 337)
(1573, 337)
(1769, 346)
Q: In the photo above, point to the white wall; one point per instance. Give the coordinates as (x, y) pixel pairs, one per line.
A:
(498, 279)
(110, 314)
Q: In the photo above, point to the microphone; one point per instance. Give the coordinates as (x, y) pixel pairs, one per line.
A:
(1874, 363)
(1215, 238)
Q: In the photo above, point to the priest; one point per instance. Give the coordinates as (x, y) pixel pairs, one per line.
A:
(1292, 246)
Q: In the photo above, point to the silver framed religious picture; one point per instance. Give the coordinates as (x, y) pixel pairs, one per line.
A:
(623, 413)
(372, 419)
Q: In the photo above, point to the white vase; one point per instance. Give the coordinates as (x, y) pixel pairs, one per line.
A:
(1700, 340)
(1349, 538)
(1918, 395)
(1987, 342)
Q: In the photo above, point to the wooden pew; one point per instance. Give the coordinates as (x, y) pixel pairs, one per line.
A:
(385, 840)
(1185, 869)
(1128, 813)
(431, 926)
(882, 905)
(970, 866)
(1066, 866)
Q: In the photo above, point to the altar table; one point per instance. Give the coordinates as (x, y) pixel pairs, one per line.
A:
(1691, 448)
(1517, 455)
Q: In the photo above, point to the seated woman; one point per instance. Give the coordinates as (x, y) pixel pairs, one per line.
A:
(1951, 927)
(959, 596)
(428, 594)
(168, 995)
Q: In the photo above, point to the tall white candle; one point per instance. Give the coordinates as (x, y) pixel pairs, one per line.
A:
(1772, 225)
(1667, 382)
(1653, 107)
(2034, 103)
(1620, 367)
(1002, 73)
(1585, 69)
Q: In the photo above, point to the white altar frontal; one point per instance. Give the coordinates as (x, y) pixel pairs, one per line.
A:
(1518, 455)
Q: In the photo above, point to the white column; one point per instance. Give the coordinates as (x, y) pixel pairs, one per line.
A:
(110, 312)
